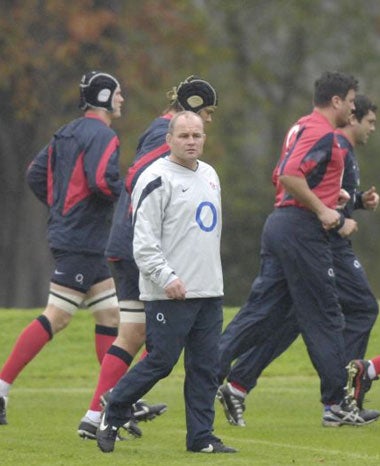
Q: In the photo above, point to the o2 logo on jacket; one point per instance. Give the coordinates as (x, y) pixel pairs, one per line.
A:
(203, 212)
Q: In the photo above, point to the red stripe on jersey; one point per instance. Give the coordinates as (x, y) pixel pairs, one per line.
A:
(101, 181)
(50, 178)
(78, 188)
(145, 160)
(311, 151)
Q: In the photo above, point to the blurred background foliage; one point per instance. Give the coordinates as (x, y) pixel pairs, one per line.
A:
(262, 56)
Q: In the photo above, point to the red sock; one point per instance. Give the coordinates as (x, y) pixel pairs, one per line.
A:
(376, 363)
(29, 343)
(112, 369)
(238, 387)
(104, 337)
(143, 354)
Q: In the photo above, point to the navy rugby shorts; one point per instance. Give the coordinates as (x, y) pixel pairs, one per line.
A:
(126, 276)
(79, 271)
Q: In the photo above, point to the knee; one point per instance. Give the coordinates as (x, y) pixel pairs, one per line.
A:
(132, 331)
(61, 306)
(131, 337)
(58, 319)
(372, 309)
(161, 365)
(108, 317)
(104, 306)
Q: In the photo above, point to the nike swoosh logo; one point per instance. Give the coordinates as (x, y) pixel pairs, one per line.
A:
(208, 449)
(103, 426)
(56, 272)
(185, 189)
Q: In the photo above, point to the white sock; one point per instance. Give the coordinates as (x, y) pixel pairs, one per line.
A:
(236, 391)
(371, 371)
(4, 388)
(94, 416)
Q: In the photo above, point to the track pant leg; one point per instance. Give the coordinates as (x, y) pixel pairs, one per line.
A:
(359, 305)
(304, 249)
(201, 381)
(168, 324)
(265, 311)
(249, 366)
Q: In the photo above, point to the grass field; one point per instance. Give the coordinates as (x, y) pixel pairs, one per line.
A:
(283, 413)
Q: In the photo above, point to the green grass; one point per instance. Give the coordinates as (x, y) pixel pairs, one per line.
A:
(283, 413)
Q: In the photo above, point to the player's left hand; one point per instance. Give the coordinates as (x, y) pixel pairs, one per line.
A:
(349, 227)
(370, 199)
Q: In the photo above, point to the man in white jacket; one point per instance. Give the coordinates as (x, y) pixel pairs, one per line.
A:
(177, 230)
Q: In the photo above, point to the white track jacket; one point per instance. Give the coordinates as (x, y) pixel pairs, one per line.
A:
(177, 230)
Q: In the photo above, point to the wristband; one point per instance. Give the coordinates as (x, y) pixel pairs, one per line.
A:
(340, 224)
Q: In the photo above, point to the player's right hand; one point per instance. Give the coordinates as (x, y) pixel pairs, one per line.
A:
(329, 218)
(176, 290)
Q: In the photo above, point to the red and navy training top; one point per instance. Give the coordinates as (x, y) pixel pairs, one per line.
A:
(311, 150)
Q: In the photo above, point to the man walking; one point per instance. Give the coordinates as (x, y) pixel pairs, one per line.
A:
(177, 230)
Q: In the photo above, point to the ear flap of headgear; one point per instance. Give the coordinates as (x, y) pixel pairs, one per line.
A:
(97, 90)
(194, 94)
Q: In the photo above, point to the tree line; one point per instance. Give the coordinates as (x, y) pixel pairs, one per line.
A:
(262, 56)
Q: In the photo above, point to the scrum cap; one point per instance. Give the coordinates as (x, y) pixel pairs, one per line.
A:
(194, 94)
(97, 90)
